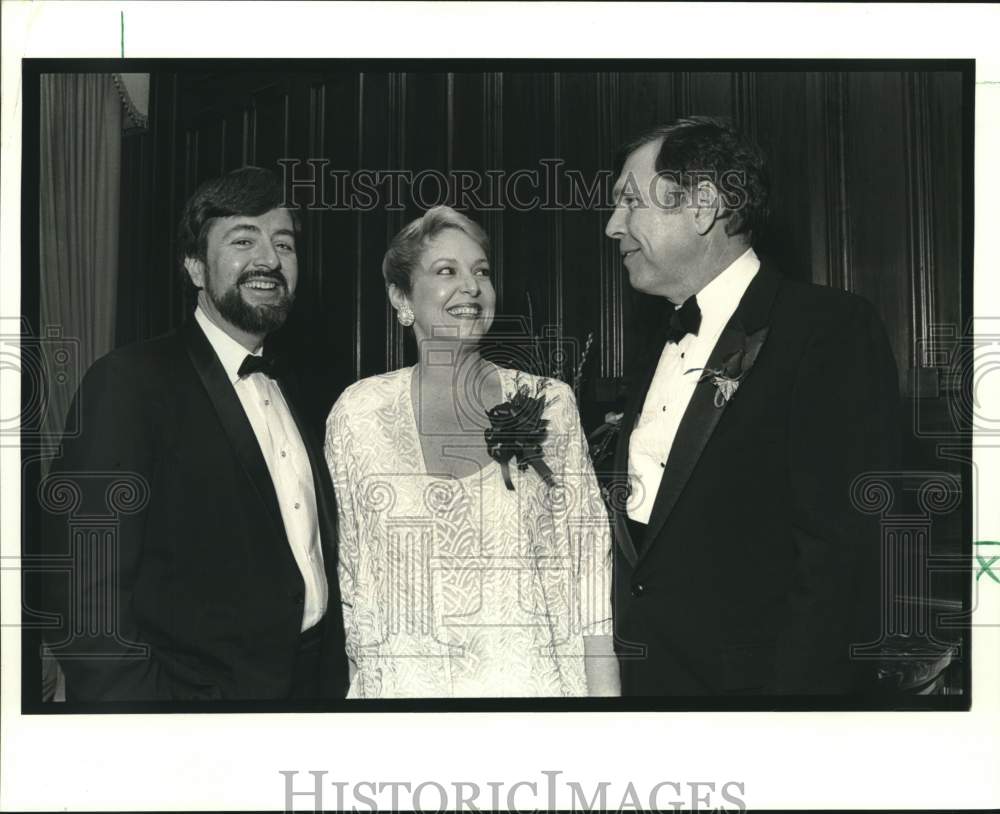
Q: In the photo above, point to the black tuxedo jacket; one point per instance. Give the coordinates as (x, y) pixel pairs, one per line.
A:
(188, 589)
(757, 573)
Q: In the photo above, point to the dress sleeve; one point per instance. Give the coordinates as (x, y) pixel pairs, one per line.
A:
(590, 530)
(338, 449)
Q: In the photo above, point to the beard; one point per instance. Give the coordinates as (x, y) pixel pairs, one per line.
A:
(253, 319)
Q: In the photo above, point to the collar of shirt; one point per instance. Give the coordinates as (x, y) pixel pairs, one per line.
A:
(718, 300)
(230, 352)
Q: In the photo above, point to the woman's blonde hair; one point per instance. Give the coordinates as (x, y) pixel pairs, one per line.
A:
(408, 244)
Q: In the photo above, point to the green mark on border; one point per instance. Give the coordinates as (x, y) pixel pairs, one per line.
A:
(123, 33)
(986, 565)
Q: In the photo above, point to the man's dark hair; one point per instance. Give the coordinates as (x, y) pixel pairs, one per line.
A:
(696, 148)
(248, 191)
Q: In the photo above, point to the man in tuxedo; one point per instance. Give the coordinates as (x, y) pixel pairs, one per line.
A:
(742, 565)
(219, 581)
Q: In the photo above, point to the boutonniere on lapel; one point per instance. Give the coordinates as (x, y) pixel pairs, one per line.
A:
(734, 368)
(517, 431)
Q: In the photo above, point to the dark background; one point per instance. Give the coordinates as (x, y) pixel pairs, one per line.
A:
(866, 192)
(871, 192)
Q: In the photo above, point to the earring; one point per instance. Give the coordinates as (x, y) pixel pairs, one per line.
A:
(405, 315)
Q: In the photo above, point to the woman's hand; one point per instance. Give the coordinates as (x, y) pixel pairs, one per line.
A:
(601, 666)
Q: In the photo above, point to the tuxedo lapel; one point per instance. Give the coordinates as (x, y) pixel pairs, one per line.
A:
(234, 420)
(696, 427)
(702, 414)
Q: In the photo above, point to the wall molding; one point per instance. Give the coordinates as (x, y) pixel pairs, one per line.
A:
(492, 148)
(395, 335)
(608, 91)
(920, 200)
(745, 103)
(682, 93)
(317, 147)
(840, 273)
(557, 294)
(450, 126)
(359, 236)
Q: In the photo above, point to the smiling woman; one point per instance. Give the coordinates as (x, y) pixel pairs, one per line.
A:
(441, 548)
(437, 269)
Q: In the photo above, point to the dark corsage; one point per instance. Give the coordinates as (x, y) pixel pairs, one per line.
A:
(517, 430)
(734, 368)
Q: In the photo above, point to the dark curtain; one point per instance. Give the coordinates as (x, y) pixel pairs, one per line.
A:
(80, 152)
(80, 166)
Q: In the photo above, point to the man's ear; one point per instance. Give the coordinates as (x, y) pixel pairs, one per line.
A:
(708, 206)
(196, 271)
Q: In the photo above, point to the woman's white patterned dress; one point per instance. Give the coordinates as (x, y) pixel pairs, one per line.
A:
(458, 586)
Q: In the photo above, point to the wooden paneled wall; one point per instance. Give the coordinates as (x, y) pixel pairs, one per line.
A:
(866, 185)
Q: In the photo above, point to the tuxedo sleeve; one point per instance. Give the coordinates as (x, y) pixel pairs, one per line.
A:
(93, 519)
(844, 421)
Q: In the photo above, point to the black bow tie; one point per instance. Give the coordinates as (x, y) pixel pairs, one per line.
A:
(684, 320)
(267, 365)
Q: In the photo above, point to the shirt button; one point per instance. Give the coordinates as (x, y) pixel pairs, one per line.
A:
(284, 454)
(297, 505)
(638, 590)
(267, 402)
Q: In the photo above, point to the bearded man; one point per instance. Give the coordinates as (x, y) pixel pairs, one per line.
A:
(219, 580)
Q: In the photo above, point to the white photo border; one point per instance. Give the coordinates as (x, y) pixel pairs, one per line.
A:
(233, 762)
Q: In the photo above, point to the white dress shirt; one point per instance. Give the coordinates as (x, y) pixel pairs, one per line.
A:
(672, 385)
(287, 462)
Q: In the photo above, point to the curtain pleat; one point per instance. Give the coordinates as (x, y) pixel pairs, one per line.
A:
(80, 157)
(80, 152)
